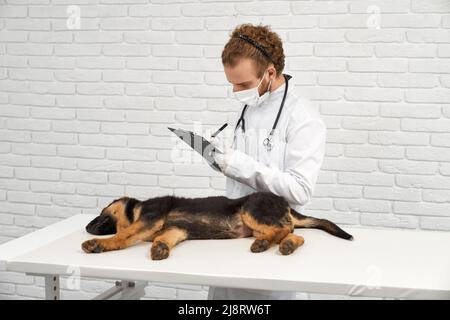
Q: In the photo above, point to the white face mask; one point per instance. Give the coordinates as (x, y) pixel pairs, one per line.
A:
(251, 96)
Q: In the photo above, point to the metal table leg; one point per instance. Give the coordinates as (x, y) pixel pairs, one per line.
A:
(52, 287)
(123, 290)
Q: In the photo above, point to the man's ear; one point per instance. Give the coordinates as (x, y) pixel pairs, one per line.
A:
(272, 70)
(129, 209)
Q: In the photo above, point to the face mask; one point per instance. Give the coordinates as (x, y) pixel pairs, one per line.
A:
(251, 96)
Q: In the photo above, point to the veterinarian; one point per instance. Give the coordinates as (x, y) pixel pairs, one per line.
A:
(276, 146)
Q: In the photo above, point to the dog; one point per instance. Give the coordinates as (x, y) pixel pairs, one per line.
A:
(168, 220)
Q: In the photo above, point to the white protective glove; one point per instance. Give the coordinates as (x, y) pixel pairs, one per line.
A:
(222, 159)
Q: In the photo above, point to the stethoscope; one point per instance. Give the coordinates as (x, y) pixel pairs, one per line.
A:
(267, 142)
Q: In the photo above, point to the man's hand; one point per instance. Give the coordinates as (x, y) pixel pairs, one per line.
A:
(223, 158)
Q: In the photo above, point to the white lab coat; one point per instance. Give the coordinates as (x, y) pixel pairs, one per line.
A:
(289, 170)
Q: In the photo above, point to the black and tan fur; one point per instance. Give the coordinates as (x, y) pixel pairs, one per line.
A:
(169, 220)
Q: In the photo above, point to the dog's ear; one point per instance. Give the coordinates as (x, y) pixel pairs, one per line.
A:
(129, 209)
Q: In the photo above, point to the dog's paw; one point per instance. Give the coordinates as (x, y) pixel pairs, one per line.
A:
(287, 247)
(92, 246)
(160, 251)
(260, 245)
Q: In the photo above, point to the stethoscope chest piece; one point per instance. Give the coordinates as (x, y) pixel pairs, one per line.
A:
(267, 143)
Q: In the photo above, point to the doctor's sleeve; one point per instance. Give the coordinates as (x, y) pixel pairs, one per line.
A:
(305, 149)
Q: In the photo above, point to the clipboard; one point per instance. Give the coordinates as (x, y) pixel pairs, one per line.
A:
(199, 144)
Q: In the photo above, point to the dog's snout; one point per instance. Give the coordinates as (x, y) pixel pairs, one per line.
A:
(101, 225)
(91, 225)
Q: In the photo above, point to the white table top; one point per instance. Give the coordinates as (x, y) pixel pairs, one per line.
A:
(378, 263)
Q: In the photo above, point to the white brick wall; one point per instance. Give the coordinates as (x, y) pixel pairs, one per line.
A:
(83, 112)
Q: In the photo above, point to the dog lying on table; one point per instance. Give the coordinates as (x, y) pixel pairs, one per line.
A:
(169, 220)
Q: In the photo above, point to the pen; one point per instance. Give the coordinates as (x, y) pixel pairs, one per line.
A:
(218, 131)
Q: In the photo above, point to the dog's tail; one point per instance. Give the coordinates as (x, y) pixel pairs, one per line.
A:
(301, 221)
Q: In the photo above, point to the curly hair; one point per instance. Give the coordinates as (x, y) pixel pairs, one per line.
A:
(267, 48)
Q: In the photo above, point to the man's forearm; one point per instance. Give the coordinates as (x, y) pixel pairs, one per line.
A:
(247, 170)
